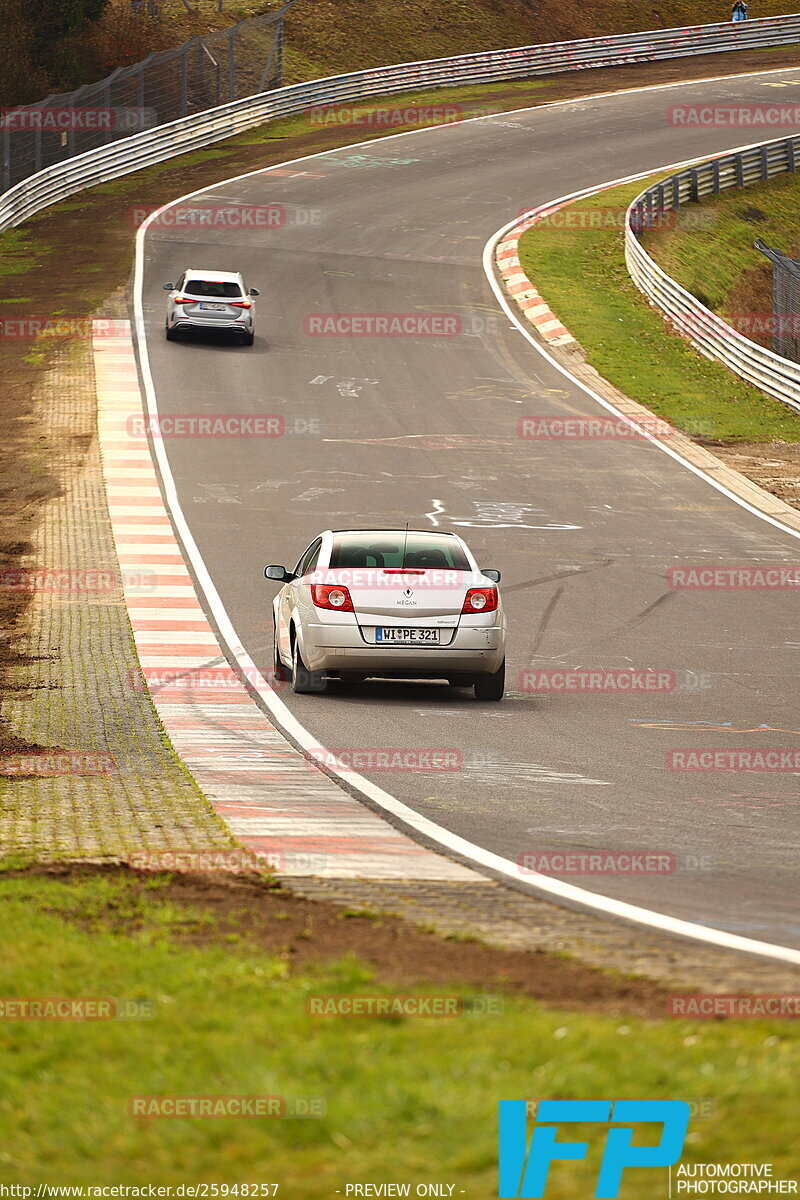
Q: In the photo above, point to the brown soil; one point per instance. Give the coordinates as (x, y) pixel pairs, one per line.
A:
(83, 250)
(305, 932)
(775, 466)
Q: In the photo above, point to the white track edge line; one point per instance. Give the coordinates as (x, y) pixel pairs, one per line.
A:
(284, 718)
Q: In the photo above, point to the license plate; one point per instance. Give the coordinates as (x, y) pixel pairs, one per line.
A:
(425, 637)
(214, 307)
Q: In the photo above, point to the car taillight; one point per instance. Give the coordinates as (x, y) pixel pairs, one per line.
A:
(480, 600)
(183, 299)
(331, 595)
(240, 303)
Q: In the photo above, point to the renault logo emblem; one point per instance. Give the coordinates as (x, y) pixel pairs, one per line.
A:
(408, 592)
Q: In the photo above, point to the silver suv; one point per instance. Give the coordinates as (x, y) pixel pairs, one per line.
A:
(210, 300)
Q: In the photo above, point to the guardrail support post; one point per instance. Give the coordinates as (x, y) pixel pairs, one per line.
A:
(231, 67)
(739, 170)
(790, 154)
(184, 86)
(715, 177)
(764, 163)
(6, 160)
(676, 193)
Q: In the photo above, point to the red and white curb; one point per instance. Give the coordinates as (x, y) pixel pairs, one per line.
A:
(272, 798)
(519, 287)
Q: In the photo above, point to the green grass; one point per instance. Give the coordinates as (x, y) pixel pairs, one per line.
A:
(581, 273)
(20, 252)
(767, 210)
(406, 1099)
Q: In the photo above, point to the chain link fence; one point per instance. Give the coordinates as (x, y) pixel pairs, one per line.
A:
(785, 301)
(207, 71)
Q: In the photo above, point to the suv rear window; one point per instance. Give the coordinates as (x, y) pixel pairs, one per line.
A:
(212, 291)
(386, 550)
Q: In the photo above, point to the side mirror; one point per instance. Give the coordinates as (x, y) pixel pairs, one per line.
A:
(254, 292)
(280, 574)
(169, 287)
(490, 573)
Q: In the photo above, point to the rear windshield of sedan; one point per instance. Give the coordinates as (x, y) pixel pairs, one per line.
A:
(212, 291)
(386, 550)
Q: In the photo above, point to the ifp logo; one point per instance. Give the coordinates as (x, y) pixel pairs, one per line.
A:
(524, 1169)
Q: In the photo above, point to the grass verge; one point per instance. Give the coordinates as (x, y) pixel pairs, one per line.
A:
(739, 284)
(580, 269)
(403, 1097)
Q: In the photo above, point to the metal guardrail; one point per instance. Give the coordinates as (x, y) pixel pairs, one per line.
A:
(143, 149)
(711, 335)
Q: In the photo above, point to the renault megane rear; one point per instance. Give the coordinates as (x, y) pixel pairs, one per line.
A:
(389, 603)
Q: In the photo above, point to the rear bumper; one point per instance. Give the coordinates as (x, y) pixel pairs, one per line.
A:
(235, 325)
(341, 648)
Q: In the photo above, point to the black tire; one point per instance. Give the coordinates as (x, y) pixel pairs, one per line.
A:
(248, 339)
(279, 672)
(303, 680)
(491, 687)
(170, 334)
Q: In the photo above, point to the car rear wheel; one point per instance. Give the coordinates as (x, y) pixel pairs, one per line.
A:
(279, 671)
(491, 687)
(248, 339)
(170, 334)
(303, 680)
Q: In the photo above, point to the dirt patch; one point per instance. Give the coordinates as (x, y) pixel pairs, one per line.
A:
(305, 932)
(774, 466)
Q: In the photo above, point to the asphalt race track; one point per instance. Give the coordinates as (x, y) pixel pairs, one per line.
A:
(383, 430)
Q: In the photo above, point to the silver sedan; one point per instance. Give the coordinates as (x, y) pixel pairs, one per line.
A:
(210, 300)
(391, 603)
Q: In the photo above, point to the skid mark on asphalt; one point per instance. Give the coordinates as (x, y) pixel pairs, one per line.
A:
(567, 573)
(546, 617)
(512, 774)
(492, 514)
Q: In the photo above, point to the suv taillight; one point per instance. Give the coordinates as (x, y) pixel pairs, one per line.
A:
(480, 600)
(334, 596)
